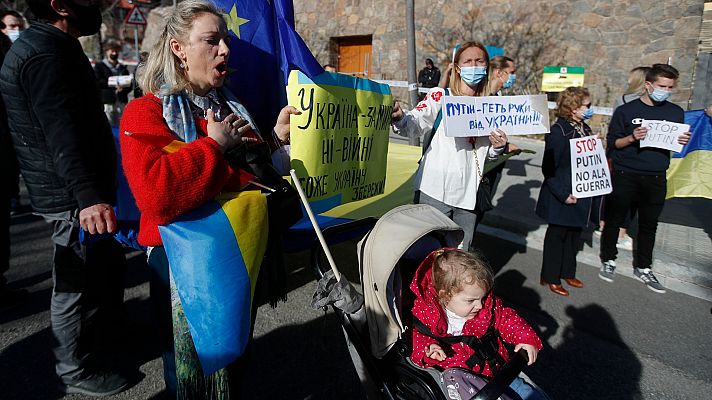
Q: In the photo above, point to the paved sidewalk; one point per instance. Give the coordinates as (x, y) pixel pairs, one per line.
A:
(683, 249)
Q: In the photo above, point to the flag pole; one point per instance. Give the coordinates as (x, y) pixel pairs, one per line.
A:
(310, 213)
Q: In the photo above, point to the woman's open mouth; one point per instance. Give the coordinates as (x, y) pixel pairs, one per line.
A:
(222, 69)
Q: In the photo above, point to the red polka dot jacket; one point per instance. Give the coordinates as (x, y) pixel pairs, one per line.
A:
(513, 328)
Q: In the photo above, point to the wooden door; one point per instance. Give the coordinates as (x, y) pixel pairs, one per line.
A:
(355, 56)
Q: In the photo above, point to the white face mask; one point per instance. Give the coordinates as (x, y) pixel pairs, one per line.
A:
(13, 34)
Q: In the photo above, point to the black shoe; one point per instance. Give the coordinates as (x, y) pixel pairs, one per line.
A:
(97, 385)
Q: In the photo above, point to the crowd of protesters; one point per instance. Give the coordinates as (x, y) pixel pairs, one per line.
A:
(62, 137)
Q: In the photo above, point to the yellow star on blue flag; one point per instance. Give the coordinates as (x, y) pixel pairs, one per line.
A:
(234, 21)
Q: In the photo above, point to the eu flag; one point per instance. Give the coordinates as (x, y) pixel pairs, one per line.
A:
(264, 48)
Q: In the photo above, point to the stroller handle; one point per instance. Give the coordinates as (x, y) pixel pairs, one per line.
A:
(501, 381)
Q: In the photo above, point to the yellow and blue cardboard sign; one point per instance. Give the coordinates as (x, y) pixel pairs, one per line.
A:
(339, 143)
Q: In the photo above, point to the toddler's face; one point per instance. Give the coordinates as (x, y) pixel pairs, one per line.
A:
(467, 302)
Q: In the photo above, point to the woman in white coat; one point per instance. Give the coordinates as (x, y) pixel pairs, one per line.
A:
(451, 168)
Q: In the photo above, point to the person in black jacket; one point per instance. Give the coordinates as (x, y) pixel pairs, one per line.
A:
(68, 160)
(113, 96)
(565, 213)
(639, 173)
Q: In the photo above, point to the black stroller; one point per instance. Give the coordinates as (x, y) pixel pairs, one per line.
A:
(376, 329)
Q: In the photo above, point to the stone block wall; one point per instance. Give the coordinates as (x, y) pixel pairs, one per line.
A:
(607, 37)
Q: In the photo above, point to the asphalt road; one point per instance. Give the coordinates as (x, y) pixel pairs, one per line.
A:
(607, 341)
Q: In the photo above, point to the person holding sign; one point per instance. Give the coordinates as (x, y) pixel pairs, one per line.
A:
(114, 95)
(639, 172)
(451, 168)
(176, 143)
(565, 214)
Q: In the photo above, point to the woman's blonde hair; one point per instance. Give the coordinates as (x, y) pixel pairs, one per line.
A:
(636, 80)
(453, 269)
(570, 100)
(162, 66)
(497, 63)
(481, 88)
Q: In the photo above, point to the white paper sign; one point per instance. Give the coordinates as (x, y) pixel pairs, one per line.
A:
(466, 116)
(663, 134)
(120, 80)
(589, 168)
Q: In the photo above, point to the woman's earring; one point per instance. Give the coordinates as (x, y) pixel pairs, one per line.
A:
(181, 66)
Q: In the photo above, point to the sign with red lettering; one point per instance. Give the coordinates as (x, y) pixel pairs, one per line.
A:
(589, 168)
(663, 134)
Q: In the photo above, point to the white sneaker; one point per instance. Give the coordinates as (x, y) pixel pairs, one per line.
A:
(625, 243)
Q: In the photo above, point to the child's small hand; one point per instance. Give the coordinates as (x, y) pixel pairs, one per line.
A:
(531, 351)
(436, 352)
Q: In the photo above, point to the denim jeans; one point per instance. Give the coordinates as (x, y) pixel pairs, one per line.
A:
(525, 390)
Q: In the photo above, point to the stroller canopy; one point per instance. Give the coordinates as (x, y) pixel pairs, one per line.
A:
(379, 252)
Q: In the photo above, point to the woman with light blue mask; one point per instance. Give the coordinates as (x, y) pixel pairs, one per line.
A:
(451, 168)
(502, 74)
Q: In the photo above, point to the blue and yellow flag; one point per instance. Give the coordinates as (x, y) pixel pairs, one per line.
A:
(215, 253)
(690, 172)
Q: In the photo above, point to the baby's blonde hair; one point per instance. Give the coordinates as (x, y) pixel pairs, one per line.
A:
(453, 269)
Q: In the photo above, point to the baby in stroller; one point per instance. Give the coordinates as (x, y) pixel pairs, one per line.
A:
(459, 323)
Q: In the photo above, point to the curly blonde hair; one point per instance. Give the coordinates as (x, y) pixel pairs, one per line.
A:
(453, 269)
(570, 100)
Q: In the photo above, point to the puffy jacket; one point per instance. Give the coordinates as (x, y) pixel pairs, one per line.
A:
(63, 141)
(426, 308)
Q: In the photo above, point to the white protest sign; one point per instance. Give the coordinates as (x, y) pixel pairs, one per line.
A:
(465, 116)
(589, 168)
(663, 134)
(120, 80)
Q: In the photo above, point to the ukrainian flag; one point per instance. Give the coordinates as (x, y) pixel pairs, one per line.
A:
(214, 253)
(690, 172)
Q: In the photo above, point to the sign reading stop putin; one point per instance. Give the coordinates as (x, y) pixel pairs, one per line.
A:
(589, 168)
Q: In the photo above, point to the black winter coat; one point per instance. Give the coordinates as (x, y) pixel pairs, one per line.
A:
(556, 187)
(63, 141)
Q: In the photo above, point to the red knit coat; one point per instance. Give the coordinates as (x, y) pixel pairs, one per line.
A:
(167, 185)
(513, 328)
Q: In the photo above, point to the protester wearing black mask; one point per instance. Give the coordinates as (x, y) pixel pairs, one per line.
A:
(68, 160)
(114, 96)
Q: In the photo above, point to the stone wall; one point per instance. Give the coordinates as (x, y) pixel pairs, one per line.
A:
(607, 37)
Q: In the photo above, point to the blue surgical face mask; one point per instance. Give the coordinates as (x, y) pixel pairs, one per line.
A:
(13, 34)
(658, 95)
(473, 75)
(588, 114)
(510, 81)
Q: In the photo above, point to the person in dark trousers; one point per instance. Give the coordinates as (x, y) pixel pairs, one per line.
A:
(68, 160)
(565, 214)
(115, 96)
(638, 175)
